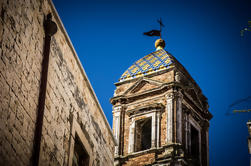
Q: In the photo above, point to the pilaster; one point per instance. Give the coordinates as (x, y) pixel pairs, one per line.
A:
(154, 125)
(174, 117)
(169, 117)
(116, 127)
(131, 137)
(179, 98)
(158, 114)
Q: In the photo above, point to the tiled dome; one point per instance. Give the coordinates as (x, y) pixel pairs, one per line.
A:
(156, 61)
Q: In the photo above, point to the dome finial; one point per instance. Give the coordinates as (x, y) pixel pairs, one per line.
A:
(160, 44)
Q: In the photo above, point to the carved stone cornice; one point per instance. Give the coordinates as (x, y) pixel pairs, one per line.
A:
(208, 115)
(178, 77)
(172, 151)
(118, 108)
(141, 81)
(125, 99)
(204, 124)
(174, 95)
(146, 108)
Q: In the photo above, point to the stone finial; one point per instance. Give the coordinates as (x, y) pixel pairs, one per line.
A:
(160, 44)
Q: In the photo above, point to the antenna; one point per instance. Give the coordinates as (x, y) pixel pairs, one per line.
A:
(238, 102)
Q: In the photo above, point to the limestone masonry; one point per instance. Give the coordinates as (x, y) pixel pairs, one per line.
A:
(75, 130)
(50, 115)
(160, 116)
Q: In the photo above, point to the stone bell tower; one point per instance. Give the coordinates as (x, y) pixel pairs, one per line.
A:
(160, 116)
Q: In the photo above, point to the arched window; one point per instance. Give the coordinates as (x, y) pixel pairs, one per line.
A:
(143, 130)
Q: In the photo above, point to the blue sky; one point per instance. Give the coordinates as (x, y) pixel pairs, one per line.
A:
(203, 35)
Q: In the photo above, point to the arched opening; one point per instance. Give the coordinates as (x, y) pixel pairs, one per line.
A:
(80, 156)
(143, 134)
(195, 146)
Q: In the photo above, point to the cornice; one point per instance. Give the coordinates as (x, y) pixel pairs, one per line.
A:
(146, 108)
(125, 99)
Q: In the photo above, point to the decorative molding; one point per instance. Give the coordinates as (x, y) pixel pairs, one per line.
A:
(178, 76)
(192, 111)
(174, 94)
(145, 109)
(171, 97)
(155, 127)
(157, 150)
(131, 137)
(140, 81)
(179, 117)
(117, 109)
(117, 126)
(155, 91)
(158, 120)
(157, 98)
(169, 118)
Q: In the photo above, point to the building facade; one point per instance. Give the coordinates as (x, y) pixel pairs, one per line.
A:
(160, 116)
(74, 130)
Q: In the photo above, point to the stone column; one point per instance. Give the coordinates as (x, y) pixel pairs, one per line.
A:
(169, 118)
(179, 98)
(174, 98)
(131, 137)
(117, 126)
(154, 130)
(189, 136)
(158, 129)
(186, 134)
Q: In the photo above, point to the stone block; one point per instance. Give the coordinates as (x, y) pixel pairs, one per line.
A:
(22, 39)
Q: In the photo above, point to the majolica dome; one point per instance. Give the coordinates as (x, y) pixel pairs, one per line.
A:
(154, 62)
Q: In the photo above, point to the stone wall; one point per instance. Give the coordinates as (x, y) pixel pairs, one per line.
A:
(145, 159)
(69, 95)
(174, 105)
(127, 120)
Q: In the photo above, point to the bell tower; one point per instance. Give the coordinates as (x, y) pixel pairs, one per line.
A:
(160, 116)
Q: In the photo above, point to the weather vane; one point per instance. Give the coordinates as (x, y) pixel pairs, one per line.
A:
(155, 32)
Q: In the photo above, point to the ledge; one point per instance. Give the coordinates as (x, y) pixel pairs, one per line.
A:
(152, 150)
(157, 106)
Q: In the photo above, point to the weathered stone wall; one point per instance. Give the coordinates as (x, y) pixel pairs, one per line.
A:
(121, 89)
(146, 100)
(173, 103)
(140, 103)
(165, 77)
(69, 94)
(144, 159)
